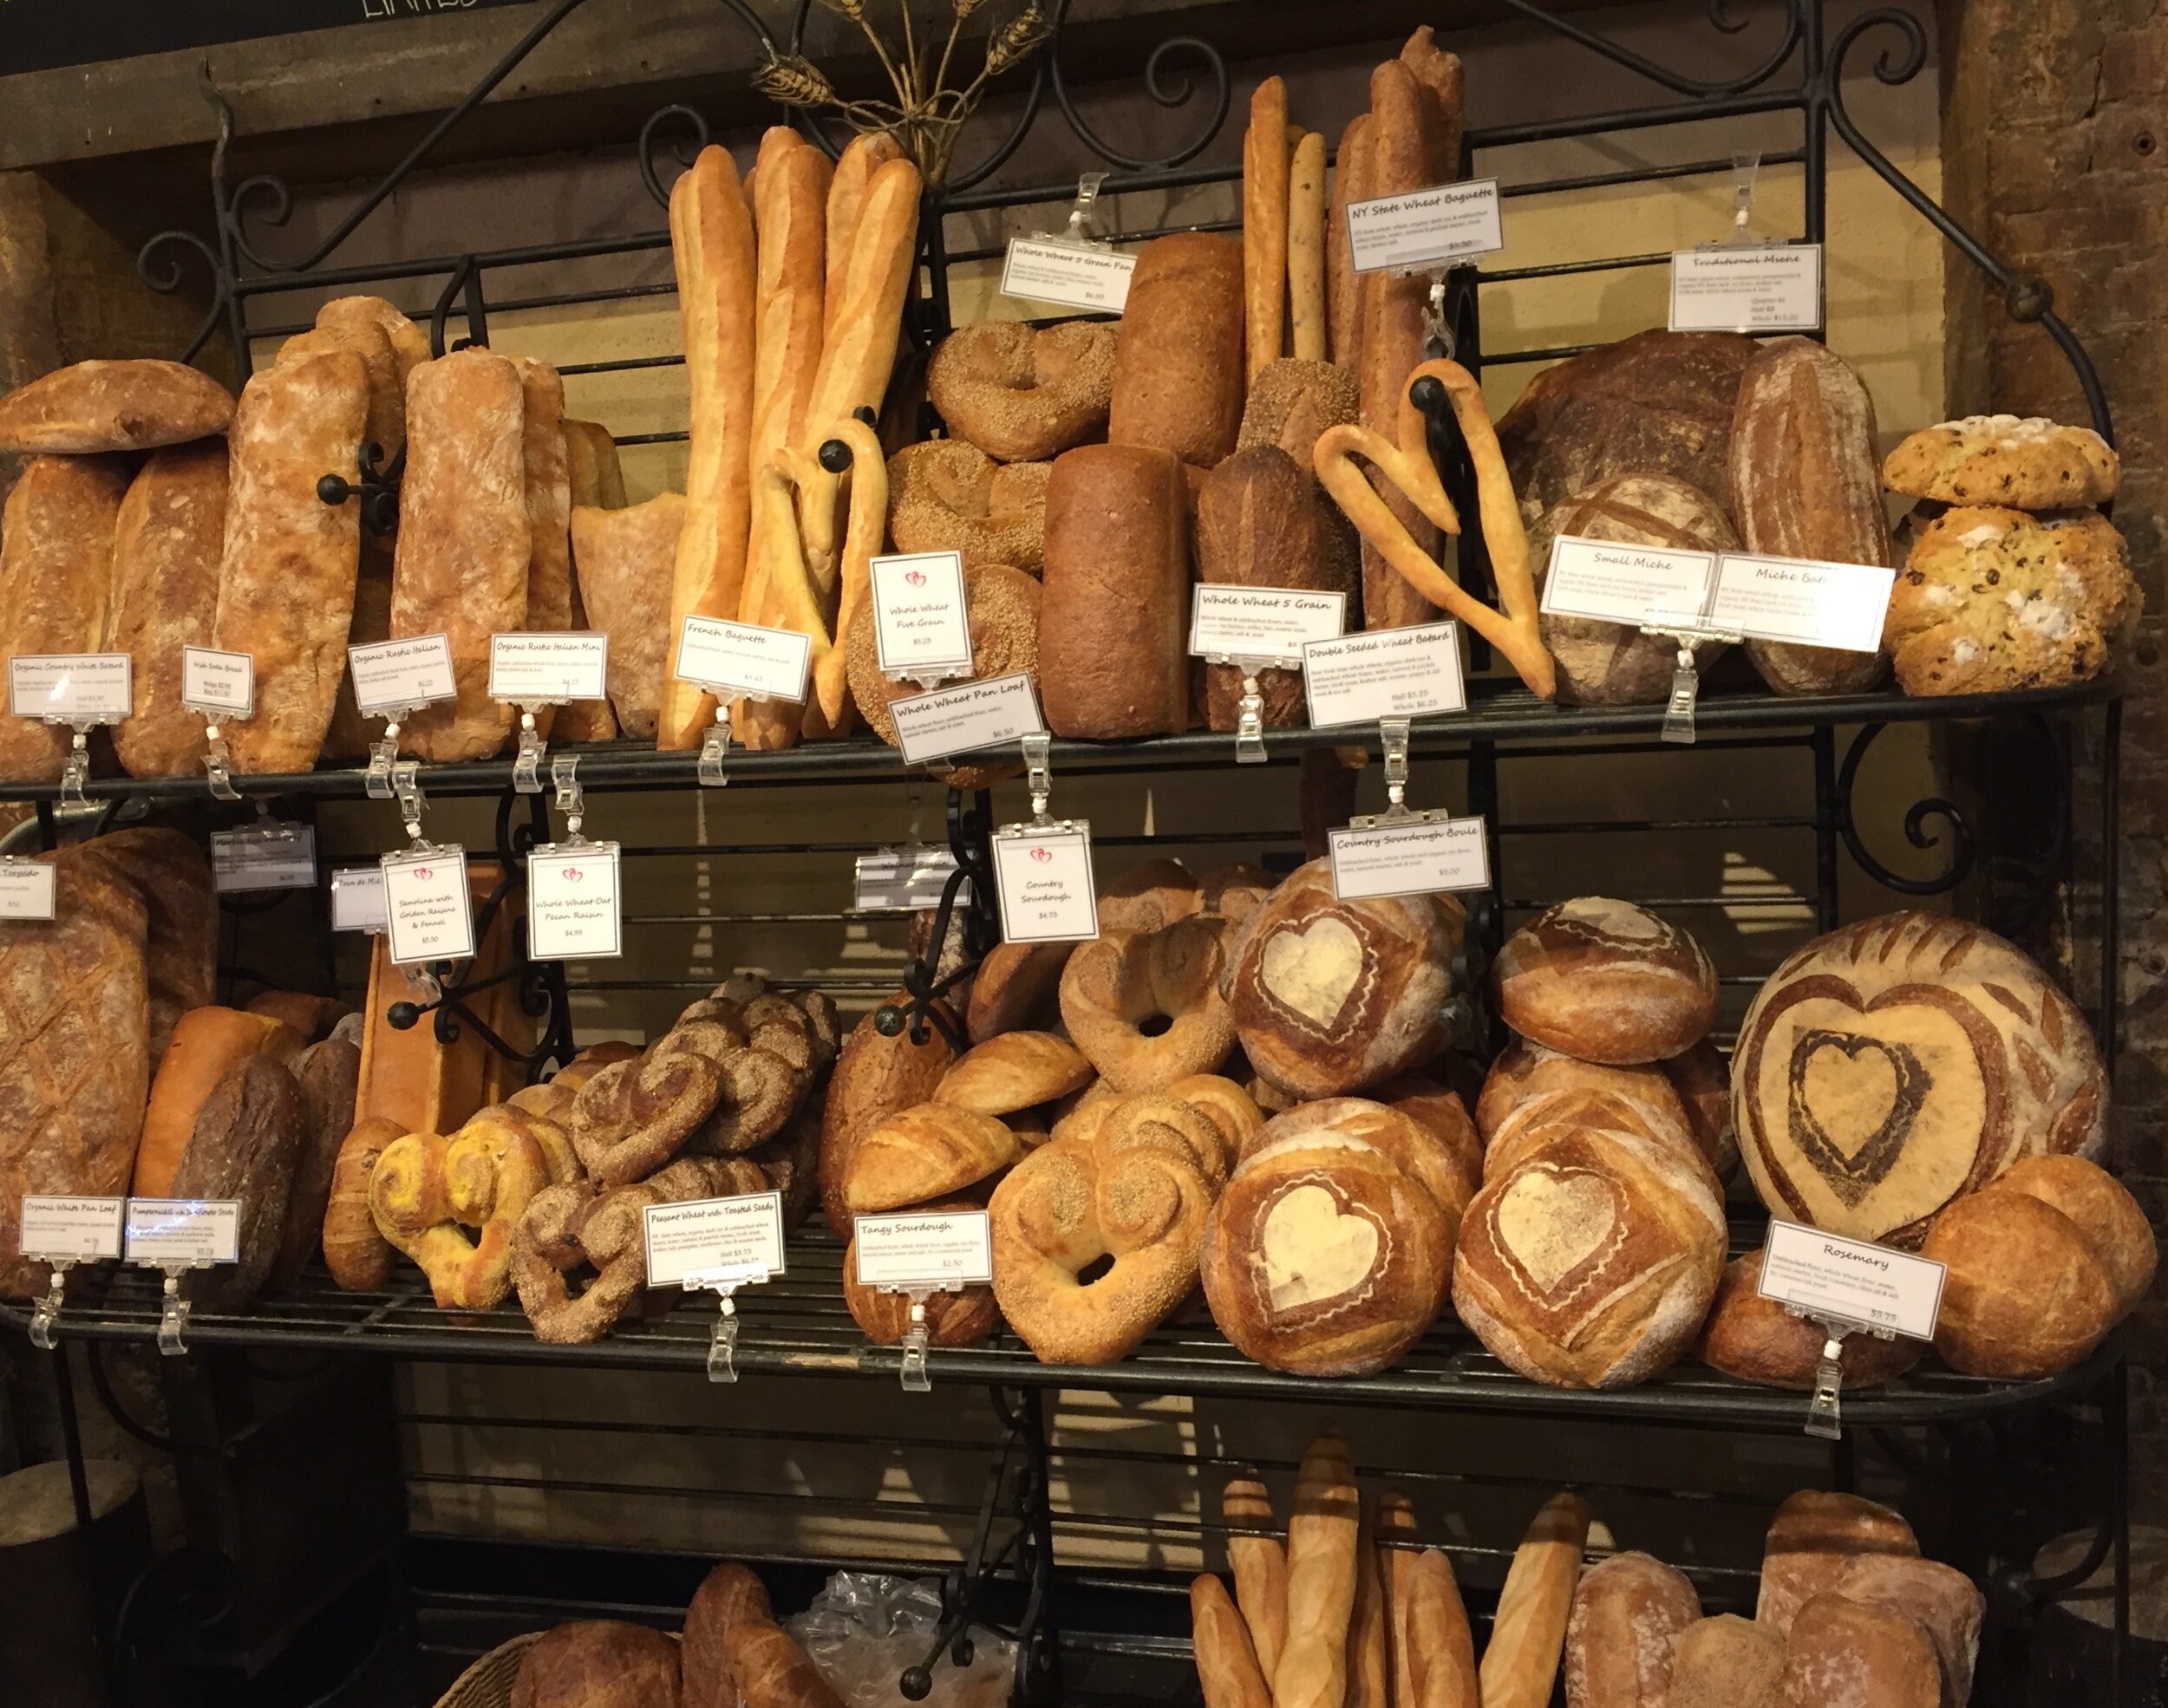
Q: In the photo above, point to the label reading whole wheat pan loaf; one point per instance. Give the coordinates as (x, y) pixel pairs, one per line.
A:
(962, 720)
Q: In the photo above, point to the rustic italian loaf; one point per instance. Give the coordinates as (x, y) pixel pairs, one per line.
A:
(1629, 1613)
(626, 559)
(1605, 981)
(165, 550)
(113, 406)
(57, 537)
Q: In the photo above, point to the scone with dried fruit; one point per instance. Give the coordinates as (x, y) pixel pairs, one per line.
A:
(2026, 462)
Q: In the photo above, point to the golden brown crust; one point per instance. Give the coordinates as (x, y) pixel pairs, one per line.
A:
(598, 1664)
(1013, 1071)
(1004, 606)
(1117, 988)
(1629, 1613)
(931, 1151)
(1521, 1660)
(546, 459)
(1228, 1670)
(2028, 464)
(357, 1254)
(2025, 1295)
(945, 495)
(627, 559)
(1265, 226)
(962, 1318)
(1017, 985)
(1023, 395)
(1323, 1533)
(1758, 1340)
(1607, 981)
(1178, 367)
(1524, 1069)
(729, 1593)
(2103, 1210)
(56, 539)
(1343, 289)
(165, 550)
(113, 406)
(1883, 1656)
(1813, 1539)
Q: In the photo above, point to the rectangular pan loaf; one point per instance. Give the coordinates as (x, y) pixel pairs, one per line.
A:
(165, 596)
(55, 583)
(1179, 372)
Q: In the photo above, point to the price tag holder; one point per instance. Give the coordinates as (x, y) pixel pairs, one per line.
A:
(357, 899)
(1254, 629)
(218, 684)
(1845, 1287)
(904, 880)
(1043, 881)
(572, 902)
(395, 676)
(176, 1235)
(267, 856)
(1799, 601)
(1421, 229)
(428, 911)
(966, 718)
(1748, 287)
(63, 1232)
(919, 1256)
(1423, 855)
(1039, 270)
(716, 1245)
(30, 890)
(735, 662)
(1384, 673)
(922, 620)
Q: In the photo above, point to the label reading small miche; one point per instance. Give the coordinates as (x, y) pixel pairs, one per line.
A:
(948, 1249)
(1074, 277)
(548, 669)
(1411, 859)
(357, 899)
(1384, 673)
(1435, 227)
(1640, 586)
(220, 683)
(904, 880)
(1045, 882)
(87, 687)
(428, 915)
(28, 891)
(1262, 623)
(740, 658)
(962, 719)
(1813, 604)
(273, 857)
(79, 1230)
(714, 1242)
(391, 675)
(1747, 288)
(920, 620)
(572, 902)
(183, 1230)
(1821, 1275)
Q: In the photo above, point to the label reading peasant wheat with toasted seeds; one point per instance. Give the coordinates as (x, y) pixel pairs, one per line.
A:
(1819, 1275)
(714, 1242)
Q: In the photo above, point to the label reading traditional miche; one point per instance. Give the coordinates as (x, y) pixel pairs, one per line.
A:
(572, 902)
(548, 669)
(1384, 673)
(714, 1242)
(1410, 858)
(1044, 878)
(735, 659)
(1820, 1275)
(904, 880)
(930, 1249)
(357, 899)
(28, 891)
(1747, 288)
(71, 687)
(1642, 586)
(183, 1230)
(962, 719)
(1792, 599)
(1424, 228)
(393, 676)
(428, 915)
(921, 623)
(78, 1229)
(1072, 276)
(220, 683)
(265, 857)
(1262, 623)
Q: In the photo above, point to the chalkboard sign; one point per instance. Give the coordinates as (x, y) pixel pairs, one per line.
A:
(37, 34)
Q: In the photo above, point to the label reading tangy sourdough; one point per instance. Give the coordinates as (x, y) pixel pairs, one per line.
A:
(922, 622)
(1793, 599)
(731, 660)
(75, 1231)
(548, 669)
(1075, 275)
(724, 1243)
(1384, 673)
(1044, 879)
(1820, 1275)
(393, 676)
(962, 720)
(29, 891)
(183, 1230)
(572, 907)
(72, 687)
(934, 1251)
(1410, 858)
(1644, 586)
(1436, 227)
(218, 684)
(428, 914)
(1747, 288)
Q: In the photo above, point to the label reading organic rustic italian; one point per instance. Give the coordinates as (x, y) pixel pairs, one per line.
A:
(714, 1242)
(1384, 673)
(1409, 858)
(922, 624)
(931, 1250)
(183, 1230)
(964, 719)
(1072, 275)
(428, 914)
(72, 687)
(73, 1230)
(1747, 288)
(393, 676)
(218, 684)
(1262, 623)
(1821, 1275)
(1643, 586)
(1044, 879)
(1436, 227)
(1794, 599)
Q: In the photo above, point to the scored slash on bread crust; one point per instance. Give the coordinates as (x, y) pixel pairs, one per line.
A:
(1607, 981)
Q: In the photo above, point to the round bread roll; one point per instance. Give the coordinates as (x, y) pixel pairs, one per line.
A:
(945, 495)
(1323, 1258)
(1758, 1340)
(962, 1318)
(1227, 1106)
(1813, 1538)
(1146, 897)
(1891, 1066)
(1524, 1069)
(1629, 1613)
(1235, 892)
(2112, 1221)
(1591, 1262)
(1551, 1115)
(1411, 1147)
(1015, 989)
(2026, 1293)
(1606, 981)
(1145, 1007)
(1330, 997)
(1023, 395)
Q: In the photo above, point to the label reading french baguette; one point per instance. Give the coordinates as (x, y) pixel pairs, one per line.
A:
(933, 1250)
(72, 687)
(183, 1230)
(1642, 586)
(733, 660)
(1796, 600)
(1819, 1275)
(1747, 288)
(218, 684)
(392, 676)
(357, 899)
(548, 669)
(1437, 227)
(1071, 275)
(1384, 673)
(714, 1242)
(266, 855)
(963, 718)
(922, 624)
(428, 914)
(1409, 858)
(71, 1230)
(28, 891)
(572, 908)
(1267, 624)
(1044, 881)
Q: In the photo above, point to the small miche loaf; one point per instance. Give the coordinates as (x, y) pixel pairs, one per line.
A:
(56, 579)
(1178, 364)
(1812, 1541)
(113, 406)
(1024, 395)
(1805, 483)
(1607, 981)
(287, 573)
(1858, 1654)
(1724, 1662)
(1117, 588)
(598, 1662)
(1629, 1614)
(164, 597)
(2027, 1293)
(626, 559)
(2028, 464)
(945, 495)
(726, 1594)
(1756, 1340)
(245, 1145)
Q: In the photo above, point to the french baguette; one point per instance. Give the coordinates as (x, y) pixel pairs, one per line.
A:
(1369, 1654)
(1260, 1568)
(862, 156)
(1264, 224)
(1434, 1629)
(1322, 1539)
(1343, 290)
(1528, 1637)
(855, 364)
(1227, 1667)
(1395, 1529)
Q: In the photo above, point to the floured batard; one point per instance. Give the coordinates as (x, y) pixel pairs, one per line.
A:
(1607, 981)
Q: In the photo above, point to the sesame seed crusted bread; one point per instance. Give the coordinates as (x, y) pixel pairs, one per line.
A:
(945, 495)
(2026, 462)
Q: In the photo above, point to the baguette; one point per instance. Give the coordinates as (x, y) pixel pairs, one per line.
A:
(862, 156)
(856, 363)
(1440, 1649)
(164, 597)
(1260, 1568)
(1321, 1540)
(1370, 1654)
(711, 239)
(1438, 80)
(1343, 290)
(1528, 1637)
(771, 1670)
(1306, 250)
(1264, 224)
(1395, 1529)
(1227, 1666)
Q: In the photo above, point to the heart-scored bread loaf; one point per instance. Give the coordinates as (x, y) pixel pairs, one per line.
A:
(1607, 981)
(1888, 1068)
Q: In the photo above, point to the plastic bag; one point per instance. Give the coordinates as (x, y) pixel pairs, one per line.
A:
(864, 1629)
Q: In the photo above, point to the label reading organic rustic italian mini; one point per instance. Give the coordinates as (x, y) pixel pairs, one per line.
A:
(548, 669)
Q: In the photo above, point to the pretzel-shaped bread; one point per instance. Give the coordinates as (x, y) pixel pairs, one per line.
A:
(1513, 626)
(427, 1191)
(634, 1116)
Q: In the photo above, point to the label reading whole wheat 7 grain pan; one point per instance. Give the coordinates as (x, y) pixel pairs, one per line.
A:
(1072, 276)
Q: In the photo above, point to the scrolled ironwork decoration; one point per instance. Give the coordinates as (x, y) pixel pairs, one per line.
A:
(1177, 91)
(661, 120)
(1961, 851)
(162, 272)
(1720, 13)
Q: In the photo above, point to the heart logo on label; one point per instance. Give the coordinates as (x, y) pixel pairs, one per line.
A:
(1313, 1249)
(424, 873)
(1314, 970)
(914, 577)
(1043, 855)
(1554, 1224)
(572, 874)
(1853, 1100)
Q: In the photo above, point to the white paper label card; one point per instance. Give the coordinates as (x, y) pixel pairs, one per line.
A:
(183, 1230)
(87, 687)
(572, 902)
(1811, 604)
(1410, 858)
(1044, 878)
(357, 899)
(1262, 623)
(904, 880)
(1435, 227)
(714, 1242)
(78, 1229)
(938, 1250)
(548, 669)
(272, 857)
(28, 890)
(1644, 586)
(1747, 288)
(921, 620)
(391, 675)
(1384, 673)
(1821, 1275)
(428, 914)
(221, 683)
(964, 719)
(740, 658)
(1068, 274)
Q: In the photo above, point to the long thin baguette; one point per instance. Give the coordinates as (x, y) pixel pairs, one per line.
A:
(1437, 75)
(1396, 1527)
(1440, 1647)
(789, 289)
(1322, 1535)
(1260, 1568)
(1370, 1657)
(1529, 1635)
(711, 237)
(1264, 224)
(1306, 249)
(1343, 291)
(1226, 1666)
(862, 157)
(855, 364)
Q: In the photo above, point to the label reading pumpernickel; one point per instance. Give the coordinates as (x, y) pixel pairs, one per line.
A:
(73, 1230)
(723, 1242)
(428, 914)
(1850, 1281)
(935, 1250)
(183, 1230)
(1075, 275)
(962, 720)
(1773, 287)
(1441, 226)
(572, 908)
(921, 621)
(72, 687)
(1384, 673)
(1044, 879)
(1411, 859)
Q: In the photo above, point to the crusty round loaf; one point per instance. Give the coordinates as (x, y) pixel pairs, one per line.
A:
(945, 495)
(1524, 1069)
(2112, 1221)
(1607, 981)
(2028, 464)
(598, 1663)
(1148, 896)
(1321, 1258)
(1880, 1655)
(1891, 1066)
(2025, 1295)
(1591, 1262)
(1629, 1614)
(1330, 997)
(1440, 1109)
(1758, 1340)
(1813, 1536)
(1702, 1079)
(1023, 395)
(1549, 1115)
(1411, 1147)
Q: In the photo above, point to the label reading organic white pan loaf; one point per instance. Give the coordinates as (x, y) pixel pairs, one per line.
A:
(936, 1250)
(393, 676)
(1044, 877)
(76, 1230)
(28, 891)
(1411, 859)
(1437, 227)
(922, 622)
(428, 914)
(1821, 1275)
(1071, 275)
(183, 1230)
(735, 659)
(1792, 599)
(714, 1242)
(963, 718)
(1747, 288)
(217, 683)
(1641, 585)
(86, 687)
(548, 669)
(1384, 673)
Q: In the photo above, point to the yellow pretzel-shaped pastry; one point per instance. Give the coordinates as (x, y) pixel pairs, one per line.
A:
(1513, 628)
(427, 1191)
